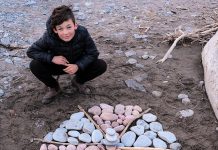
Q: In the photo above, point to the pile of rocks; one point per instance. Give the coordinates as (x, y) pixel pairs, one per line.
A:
(147, 132)
(116, 117)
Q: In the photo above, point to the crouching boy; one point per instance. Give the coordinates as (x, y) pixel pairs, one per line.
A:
(65, 48)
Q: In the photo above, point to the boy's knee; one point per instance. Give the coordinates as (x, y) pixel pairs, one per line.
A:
(35, 66)
(102, 65)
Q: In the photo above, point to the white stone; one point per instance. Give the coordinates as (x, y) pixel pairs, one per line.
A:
(156, 126)
(130, 53)
(74, 133)
(150, 134)
(49, 137)
(145, 56)
(63, 124)
(181, 96)
(110, 131)
(142, 141)
(186, 113)
(149, 117)
(84, 120)
(167, 136)
(73, 140)
(139, 130)
(132, 61)
(186, 101)
(60, 135)
(97, 136)
(106, 142)
(85, 137)
(142, 123)
(77, 116)
(157, 93)
(158, 143)
(128, 138)
(88, 127)
(175, 146)
(1, 92)
(74, 125)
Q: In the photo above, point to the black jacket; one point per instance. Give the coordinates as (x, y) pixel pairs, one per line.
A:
(81, 50)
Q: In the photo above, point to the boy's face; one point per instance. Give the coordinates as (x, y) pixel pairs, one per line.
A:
(66, 30)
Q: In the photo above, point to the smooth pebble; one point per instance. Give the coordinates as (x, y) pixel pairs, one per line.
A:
(139, 130)
(62, 147)
(158, 143)
(119, 109)
(88, 127)
(81, 147)
(43, 147)
(142, 123)
(74, 133)
(109, 116)
(119, 128)
(92, 148)
(150, 134)
(52, 147)
(167, 136)
(149, 117)
(128, 138)
(95, 110)
(97, 136)
(142, 141)
(73, 141)
(156, 126)
(85, 137)
(175, 146)
(77, 116)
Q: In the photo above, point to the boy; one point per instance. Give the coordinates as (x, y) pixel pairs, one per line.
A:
(65, 48)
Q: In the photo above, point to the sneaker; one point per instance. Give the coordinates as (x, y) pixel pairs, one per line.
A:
(80, 87)
(50, 95)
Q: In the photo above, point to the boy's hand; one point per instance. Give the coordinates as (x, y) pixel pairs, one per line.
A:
(71, 68)
(60, 60)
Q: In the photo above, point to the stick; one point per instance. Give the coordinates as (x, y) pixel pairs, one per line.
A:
(172, 47)
(140, 148)
(58, 143)
(127, 126)
(90, 118)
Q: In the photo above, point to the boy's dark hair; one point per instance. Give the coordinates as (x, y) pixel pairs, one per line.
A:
(61, 14)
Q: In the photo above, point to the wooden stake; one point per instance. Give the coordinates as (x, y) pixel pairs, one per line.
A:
(141, 148)
(58, 143)
(90, 118)
(127, 126)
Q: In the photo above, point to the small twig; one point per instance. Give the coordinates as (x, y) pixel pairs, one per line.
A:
(90, 118)
(141, 148)
(172, 47)
(58, 143)
(127, 126)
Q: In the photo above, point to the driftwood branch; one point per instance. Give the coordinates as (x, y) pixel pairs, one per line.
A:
(11, 47)
(172, 47)
(201, 35)
(127, 126)
(90, 118)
